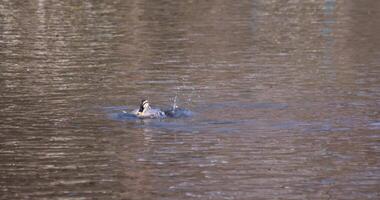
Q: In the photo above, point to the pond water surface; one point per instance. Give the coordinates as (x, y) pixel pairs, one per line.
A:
(284, 96)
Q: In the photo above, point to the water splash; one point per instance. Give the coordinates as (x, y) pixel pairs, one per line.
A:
(175, 103)
(176, 111)
(185, 91)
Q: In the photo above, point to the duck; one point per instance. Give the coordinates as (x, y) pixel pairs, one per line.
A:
(145, 111)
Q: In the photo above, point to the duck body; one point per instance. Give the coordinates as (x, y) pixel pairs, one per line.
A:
(145, 111)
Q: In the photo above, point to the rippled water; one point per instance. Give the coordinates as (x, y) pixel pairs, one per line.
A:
(285, 97)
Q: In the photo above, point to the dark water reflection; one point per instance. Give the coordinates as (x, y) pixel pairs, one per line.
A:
(286, 99)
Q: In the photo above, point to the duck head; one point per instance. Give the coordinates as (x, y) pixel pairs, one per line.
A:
(144, 106)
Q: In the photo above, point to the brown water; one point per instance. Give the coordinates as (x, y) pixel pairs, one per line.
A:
(285, 96)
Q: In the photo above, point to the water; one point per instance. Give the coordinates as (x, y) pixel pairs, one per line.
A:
(284, 94)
